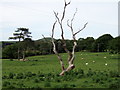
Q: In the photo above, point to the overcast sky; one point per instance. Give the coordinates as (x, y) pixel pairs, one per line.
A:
(37, 15)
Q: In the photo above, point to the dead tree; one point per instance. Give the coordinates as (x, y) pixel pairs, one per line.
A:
(71, 54)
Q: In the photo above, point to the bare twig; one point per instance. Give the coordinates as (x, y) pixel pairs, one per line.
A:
(66, 4)
(81, 29)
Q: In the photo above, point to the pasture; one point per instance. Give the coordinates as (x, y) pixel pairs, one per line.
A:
(92, 70)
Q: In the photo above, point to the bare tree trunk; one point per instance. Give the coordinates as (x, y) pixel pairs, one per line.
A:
(19, 50)
(23, 55)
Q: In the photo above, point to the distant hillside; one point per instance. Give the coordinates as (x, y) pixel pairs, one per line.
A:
(5, 43)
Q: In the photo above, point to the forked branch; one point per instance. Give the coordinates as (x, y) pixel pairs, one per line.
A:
(71, 65)
(55, 51)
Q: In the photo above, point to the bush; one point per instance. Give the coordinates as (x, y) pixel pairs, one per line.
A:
(57, 80)
(20, 85)
(10, 51)
(96, 79)
(36, 80)
(47, 84)
(72, 85)
(11, 75)
(57, 86)
(40, 74)
(4, 77)
(67, 78)
(65, 86)
(114, 74)
(11, 87)
(79, 73)
(20, 76)
(41, 79)
(29, 74)
(114, 85)
(6, 83)
(90, 72)
(48, 79)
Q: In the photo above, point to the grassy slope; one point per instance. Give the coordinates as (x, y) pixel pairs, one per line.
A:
(50, 64)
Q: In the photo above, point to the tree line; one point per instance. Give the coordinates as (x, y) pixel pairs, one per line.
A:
(104, 43)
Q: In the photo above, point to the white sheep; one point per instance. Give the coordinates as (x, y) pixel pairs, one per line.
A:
(106, 64)
(82, 58)
(105, 57)
(86, 63)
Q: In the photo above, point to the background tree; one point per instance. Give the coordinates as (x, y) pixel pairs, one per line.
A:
(21, 33)
(28, 46)
(101, 44)
(114, 45)
(10, 51)
(17, 35)
(85, 44)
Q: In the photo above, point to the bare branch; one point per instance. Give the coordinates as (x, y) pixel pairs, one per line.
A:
(72, 58)
(81, 29)
(53, 28)
(66, 4)
(60, 23)
(68, 23)
(54, 49)
(73, 16)
(71, 25)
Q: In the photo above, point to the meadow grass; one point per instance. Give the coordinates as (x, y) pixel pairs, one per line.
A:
(49, 64)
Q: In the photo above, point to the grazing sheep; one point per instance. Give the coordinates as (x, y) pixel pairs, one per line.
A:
(82, 58)
(86, 63)
(106, 64)
(105, 57)
(93, 61)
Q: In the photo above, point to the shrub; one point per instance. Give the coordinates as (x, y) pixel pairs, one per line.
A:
(4, 77)
(67, 78)
(20, 84)
(90, 72)
(41, 79)
(114, 74)
(81, 71)
(48, 79)
(36, 80)
(11, 75)
(6, 83)
(57, 80)
(20, 76)
(47, 84)
(57, 86)
(11, 59)
(114, 85)
(72, 85)
(11, 87)
(96, 79)
(40, 74)
(65, 86)
(29, 74)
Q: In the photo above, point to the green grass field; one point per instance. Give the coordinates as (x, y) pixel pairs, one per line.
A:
(42, 72)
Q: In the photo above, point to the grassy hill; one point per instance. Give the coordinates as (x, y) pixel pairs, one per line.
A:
(43, 72)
